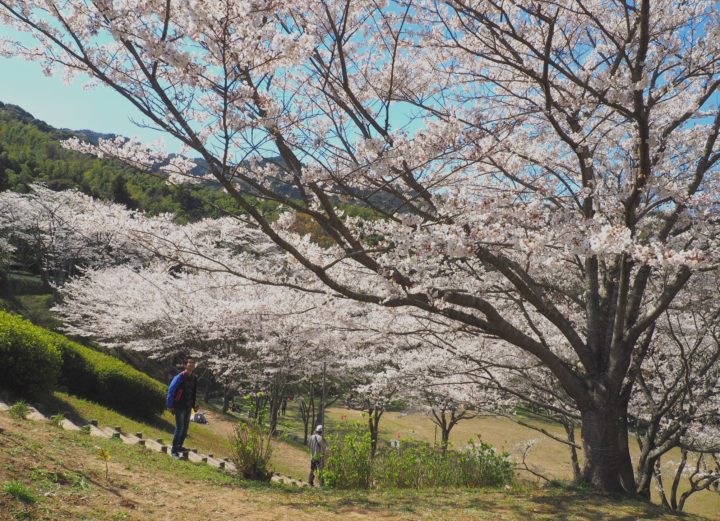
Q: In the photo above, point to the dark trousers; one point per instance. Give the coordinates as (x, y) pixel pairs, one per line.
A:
(315, 467)
(182, 422)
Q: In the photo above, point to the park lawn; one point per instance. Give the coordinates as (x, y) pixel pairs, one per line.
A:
(62, 473)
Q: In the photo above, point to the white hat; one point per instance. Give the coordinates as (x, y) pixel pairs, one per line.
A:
(318, 428)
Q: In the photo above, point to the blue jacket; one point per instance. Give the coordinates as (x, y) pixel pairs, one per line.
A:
(176, 389)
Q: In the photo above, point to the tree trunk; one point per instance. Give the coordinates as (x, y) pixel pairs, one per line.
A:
(374, 414)
(608, 466)
(227, 395)
(445, 439)
(570, 431)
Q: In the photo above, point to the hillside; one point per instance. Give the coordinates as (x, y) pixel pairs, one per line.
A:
(50, 474)
(31, 152)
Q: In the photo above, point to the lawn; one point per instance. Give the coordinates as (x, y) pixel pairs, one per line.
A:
(62, 473)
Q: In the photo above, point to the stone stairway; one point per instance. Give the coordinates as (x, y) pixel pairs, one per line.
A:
(157, 445)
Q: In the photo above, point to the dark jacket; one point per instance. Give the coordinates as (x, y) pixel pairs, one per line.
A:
(182, 391)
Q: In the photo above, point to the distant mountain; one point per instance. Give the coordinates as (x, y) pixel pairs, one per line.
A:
(89, 135)
(31, 152)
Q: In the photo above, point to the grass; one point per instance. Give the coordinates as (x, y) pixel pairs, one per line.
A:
(19, 410)
(61, 469)
(75, 408)
(20, 492)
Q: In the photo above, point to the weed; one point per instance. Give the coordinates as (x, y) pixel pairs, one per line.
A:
(104, 455)
(20, 410)
(57, 420)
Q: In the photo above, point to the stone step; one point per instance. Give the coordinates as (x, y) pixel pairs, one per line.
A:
(69, 426)
(34, 414)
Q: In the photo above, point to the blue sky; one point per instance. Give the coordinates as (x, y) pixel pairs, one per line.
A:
(70, 106)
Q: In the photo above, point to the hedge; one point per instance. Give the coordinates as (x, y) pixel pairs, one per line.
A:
(109, 381)
(83, 371)
(30, 362)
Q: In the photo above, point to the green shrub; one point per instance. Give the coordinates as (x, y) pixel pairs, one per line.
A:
(19, 410)
(19, 492)
(109, 381)
(30, 361)
(420, 465)
(35, 359)
(415, 465)
(348, 461)
(251, 451)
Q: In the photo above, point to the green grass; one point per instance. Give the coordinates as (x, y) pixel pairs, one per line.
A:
(20, 492)
(19, 410)
(35, 308)
(64, 473)
(77, 409)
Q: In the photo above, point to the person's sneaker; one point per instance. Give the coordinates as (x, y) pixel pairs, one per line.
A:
(175, 455)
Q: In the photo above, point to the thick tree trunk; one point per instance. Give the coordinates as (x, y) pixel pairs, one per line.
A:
(608, 466)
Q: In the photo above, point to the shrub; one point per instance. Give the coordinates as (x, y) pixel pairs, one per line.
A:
(420, 465)
(482, 466)
(251, 451)
(19, 410)
(35, 358)
(348, 462)
(109, 381)
(30, 361)
(414, 465)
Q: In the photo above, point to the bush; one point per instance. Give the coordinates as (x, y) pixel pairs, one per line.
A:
(30, 361)
(414, 465)
(35, 359)
(348, 463)
(108, 381)
(251, 451)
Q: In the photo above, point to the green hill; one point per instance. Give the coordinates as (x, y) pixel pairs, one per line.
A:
(31, 152)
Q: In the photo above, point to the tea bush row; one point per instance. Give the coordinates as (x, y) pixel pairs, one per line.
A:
(36, 360)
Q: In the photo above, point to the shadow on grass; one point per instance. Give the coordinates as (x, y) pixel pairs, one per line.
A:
(51, 404)
(527, 504)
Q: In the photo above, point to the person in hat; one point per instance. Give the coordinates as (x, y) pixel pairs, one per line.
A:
(318, 446)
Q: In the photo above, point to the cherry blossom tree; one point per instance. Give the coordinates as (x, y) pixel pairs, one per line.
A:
(546, 174)
(677, 403)
(6, 250)
(62, 231)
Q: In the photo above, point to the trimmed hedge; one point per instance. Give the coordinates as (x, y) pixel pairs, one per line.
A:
(84, 371)
(109, 381)
(30, 361)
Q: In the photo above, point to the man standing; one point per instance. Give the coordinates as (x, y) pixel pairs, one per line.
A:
(318, 446)
(180, 400)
